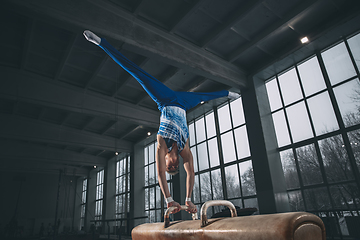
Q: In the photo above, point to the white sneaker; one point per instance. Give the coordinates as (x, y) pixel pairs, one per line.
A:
(91, 37)
(233, 95)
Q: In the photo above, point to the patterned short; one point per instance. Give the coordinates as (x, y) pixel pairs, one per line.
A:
(173, 125)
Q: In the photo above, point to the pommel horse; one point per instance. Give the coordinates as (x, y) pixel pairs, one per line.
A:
(280, 226)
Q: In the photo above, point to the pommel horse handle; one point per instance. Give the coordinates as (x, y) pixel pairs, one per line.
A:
(206, 205)
(170, 209)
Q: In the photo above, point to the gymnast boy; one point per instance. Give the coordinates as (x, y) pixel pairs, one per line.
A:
(173, 134)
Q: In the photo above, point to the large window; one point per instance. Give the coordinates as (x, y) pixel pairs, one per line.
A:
(315, 107)
(153, 193)
(222, 161)
(122, 193)
(83, 204)
(99, 196)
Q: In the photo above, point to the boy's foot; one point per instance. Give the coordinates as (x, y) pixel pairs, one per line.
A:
(233, 95)
(91, 37)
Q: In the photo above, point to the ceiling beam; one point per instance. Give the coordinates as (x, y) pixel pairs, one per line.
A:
(28, 87)
(231, 21)
(193, 7)
(96, 72)
(109, 20)
(284, 22)
(130, 131)
(17, 150)
(65, 56)
(21, 128)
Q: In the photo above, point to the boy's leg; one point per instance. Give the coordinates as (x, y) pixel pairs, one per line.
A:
(160, 93)
(191, 99)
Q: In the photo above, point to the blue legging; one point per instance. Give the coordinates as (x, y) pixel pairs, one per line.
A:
(161, 94)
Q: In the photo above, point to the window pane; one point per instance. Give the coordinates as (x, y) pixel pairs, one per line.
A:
(151, 154)
(354, 138)
(217, 184)
(193, 151)
(345, 195)
(251, 203)
(242, 144)
(237, 202)
(128, 162)
(335, 158)
(146, 156)
(158, 215)
(152, 197)
(322, 114)
(289, 168)
(354, 44)
(247, 178)
(309, 165)
(203, 157)
(83, 211)
(151, 174)
(121, 184)
(290, 87)
(273, 94)
(119, 202)
(196, 191)
(152, 216)
(192, 134)
(224, 118)
(232, 181)
(156, 175)
(296, 201)
(282, 133)
(122, 168)
(205, 187)
(299, 122)
(83, 199)
(146, 198)
(84, 184)
(237, 112)
(338, 63)
(317, 199)
(347, 97)
(200, 130)
(213, 152)
(210, 125)
(158, 197)
(146, 169)
(228, 147)
(128, 186)
(311, 76)
(117, 186)
(118, 166)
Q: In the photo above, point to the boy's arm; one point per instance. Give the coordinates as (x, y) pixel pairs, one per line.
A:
(190, 175)
(160, 167)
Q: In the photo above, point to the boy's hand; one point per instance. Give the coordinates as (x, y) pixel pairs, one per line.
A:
(192, 207)
(174, 204)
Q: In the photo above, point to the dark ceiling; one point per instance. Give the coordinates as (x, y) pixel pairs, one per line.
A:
(65, 104)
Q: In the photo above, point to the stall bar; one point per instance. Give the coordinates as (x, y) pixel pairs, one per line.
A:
(281, 226)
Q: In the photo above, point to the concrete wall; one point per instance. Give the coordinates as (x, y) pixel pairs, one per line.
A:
(137, 179)
(36, 198)
(268, 173)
